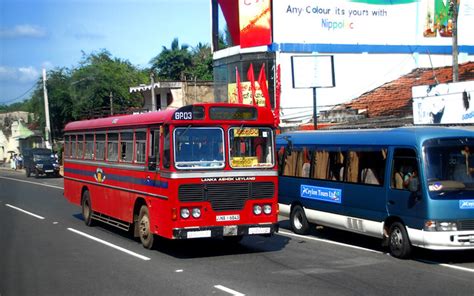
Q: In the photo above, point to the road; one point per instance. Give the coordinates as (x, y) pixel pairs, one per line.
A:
(45, 249)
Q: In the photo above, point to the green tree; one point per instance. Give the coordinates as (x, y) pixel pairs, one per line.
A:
(59, 100)
(201, 62)
(173, 63)
(100, 76)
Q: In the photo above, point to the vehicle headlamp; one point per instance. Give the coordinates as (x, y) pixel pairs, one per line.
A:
(432, 225)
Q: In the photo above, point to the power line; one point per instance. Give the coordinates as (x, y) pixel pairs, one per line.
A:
(20, 96)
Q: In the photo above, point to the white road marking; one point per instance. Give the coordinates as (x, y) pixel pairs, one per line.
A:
(448, 265)
(26, 212)
(30, 182)
(364, 249)
(178, 270)
(328, 241)
(230, 291)
(109, 244)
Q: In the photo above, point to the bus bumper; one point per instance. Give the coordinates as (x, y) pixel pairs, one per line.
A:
(225, 231)
(439, 240)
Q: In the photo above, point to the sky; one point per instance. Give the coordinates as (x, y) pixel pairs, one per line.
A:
(50, 34)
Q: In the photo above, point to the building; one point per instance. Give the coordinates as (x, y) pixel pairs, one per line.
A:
(392, 103)
(370, 43)
(175, 93)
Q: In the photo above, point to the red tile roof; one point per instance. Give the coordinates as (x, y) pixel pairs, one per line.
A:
(395, 97)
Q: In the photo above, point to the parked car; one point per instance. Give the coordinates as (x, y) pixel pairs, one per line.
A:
(39, 161)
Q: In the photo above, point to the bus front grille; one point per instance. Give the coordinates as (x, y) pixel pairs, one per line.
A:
(225, 196)
(466, 225)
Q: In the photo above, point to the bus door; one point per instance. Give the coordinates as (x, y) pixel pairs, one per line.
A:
(404, 198)
(154, 161)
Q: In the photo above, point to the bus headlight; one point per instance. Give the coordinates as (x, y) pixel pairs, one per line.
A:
(431, 225)
(257, 209)
(185, 213)
(267, 209)
(196, 213)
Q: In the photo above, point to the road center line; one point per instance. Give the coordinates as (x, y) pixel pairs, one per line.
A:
(328, 241)
(30, 182)
(108, 244)
(230, 291)
(26, 212)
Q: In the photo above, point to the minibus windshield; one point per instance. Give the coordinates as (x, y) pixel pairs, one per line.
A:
(449, 167)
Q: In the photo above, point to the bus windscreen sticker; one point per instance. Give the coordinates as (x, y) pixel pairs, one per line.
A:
(467, 204)
(322, 193)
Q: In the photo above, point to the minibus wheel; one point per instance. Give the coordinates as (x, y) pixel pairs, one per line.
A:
(398, 241)
(144, 228)
(87, 208)
(298, 220)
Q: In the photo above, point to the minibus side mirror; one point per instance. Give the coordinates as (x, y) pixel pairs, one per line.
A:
(152, 163)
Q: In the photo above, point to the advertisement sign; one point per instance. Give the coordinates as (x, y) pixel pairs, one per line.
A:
(332, 195)
(246, 93)
(443, 103)
(255, 23)
(310, 71)
(371, 22)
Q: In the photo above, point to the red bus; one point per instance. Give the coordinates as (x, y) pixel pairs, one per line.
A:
(203, 170)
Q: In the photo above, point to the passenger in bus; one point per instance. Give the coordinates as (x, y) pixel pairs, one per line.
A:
(410, 181)
(462, 169)
(368, 176)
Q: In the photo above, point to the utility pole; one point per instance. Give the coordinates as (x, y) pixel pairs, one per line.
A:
(47, 128)
(454, 9)
(153, 99)
(111, 104)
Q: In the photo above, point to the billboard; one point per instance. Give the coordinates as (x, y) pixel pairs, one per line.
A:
(448, 103)
(371, 22)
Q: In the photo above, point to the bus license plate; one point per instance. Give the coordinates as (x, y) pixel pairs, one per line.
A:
(259, 230)
(227, 218)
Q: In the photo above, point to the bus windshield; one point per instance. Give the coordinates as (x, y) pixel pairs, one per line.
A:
(251, 147)
(449, 167)
(199, 148)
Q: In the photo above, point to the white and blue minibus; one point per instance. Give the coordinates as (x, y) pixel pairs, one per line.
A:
(410, 186)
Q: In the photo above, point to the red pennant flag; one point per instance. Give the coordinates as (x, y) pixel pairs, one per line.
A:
(240, 99)
(262, 80)
(251, 78)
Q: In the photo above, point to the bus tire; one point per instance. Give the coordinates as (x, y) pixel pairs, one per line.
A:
(144, 228)
(87, 208)
(398, 241)
(298, 221)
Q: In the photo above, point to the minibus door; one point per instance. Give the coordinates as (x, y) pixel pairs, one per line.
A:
(404, 194)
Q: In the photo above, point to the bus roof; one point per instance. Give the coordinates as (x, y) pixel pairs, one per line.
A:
(264, 117)
(410, 136)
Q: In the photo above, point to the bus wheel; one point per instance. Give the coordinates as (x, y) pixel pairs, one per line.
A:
(87, 208)
(398, 241)
(298, 220)
(146, 237)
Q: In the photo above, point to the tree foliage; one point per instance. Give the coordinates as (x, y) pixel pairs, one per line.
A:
(84, 92)
(183, 63)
